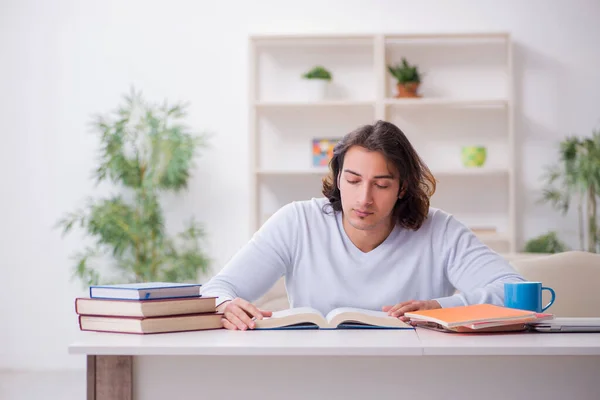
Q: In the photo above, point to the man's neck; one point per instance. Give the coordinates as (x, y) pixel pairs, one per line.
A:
(367, 240)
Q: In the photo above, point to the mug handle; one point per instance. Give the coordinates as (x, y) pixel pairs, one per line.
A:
(551, 300)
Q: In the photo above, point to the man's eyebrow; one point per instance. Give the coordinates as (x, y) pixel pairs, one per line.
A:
(375, 177)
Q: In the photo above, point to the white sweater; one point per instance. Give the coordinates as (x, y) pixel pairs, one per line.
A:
(323, 269)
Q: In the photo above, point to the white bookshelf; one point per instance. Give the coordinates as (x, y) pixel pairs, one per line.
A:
(467, 99)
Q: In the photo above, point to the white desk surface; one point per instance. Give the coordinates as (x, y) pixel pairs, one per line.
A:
(359, 342)
(362, 342)
(440, 343)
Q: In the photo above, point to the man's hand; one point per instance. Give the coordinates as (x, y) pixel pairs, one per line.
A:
(238, 314)
(413, 305)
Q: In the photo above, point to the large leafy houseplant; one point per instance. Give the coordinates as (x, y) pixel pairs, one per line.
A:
(145, 151)
(577, 174)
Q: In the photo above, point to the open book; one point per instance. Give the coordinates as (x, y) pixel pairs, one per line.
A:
(340, 318)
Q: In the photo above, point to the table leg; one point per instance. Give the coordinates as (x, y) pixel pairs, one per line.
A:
(109, 378)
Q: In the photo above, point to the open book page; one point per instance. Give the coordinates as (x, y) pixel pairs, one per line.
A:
(296, 311)
(352, 310)
(292, 316)
(350, 315)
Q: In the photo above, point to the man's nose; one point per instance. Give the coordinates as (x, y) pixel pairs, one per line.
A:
(366, 195)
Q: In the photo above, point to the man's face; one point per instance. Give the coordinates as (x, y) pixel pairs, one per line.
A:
(369, 188)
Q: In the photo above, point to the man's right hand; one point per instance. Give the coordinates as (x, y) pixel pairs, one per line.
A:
(238, 314)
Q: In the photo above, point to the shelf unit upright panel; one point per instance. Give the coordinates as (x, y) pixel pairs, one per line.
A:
(466, 100)
(285, 119)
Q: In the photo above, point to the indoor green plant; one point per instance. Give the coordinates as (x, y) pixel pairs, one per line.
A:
(145, 151)
(317, 82)
(408, 78)
(318, 72)
(546, 243)
(577, 174)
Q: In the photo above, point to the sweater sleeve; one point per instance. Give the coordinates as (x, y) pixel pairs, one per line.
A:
(476, 271)
(260, 263)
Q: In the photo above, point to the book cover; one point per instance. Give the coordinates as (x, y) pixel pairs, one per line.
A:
(472, 314)
(145, 290)
(145, 308)
(322, 151)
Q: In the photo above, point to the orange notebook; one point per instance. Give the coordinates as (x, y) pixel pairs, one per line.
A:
(468, 315)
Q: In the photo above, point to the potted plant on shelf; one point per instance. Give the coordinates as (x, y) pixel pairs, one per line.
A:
(145, 152)
(577, 174)
(408, 78)
(317, 81)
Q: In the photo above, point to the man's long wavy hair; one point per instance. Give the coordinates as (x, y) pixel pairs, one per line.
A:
(417, 183)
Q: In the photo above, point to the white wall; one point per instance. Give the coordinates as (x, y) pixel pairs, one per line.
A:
(62, 61)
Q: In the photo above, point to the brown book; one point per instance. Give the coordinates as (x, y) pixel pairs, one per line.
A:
(145, 308)
(173, 323)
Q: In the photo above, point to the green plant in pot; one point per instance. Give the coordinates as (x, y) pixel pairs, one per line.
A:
(408, 78)
(318, 72)
(577, 174)
(145, 151)
(317, 79)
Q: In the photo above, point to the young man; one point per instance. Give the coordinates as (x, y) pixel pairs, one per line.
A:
(373, 242)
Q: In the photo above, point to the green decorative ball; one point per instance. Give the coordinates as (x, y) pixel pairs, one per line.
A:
(474, 156)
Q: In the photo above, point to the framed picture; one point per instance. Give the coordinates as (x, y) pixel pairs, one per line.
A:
(322, 151)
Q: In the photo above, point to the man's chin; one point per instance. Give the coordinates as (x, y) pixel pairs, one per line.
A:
(362, 225)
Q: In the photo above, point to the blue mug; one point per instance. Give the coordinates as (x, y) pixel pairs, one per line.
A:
(526, 296)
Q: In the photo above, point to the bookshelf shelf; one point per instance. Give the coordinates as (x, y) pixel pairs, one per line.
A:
(292, 172)
(493, 237)
(315, 104)
(447, 102)
(487, 172)
(466, 100)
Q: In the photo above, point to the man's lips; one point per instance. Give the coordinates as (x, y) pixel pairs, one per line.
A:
(361, 213)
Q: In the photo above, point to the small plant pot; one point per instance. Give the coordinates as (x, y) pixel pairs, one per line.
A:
(407, 89)
(473, 156)
(316, 89)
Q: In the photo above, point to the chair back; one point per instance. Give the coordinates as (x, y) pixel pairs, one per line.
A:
(574, 276)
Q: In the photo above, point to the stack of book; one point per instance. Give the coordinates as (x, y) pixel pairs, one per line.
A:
(143, 308)
(477, 318)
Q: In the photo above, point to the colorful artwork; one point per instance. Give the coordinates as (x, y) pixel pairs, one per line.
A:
(322, 150)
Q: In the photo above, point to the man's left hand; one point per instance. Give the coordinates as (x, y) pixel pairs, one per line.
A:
(413, 305)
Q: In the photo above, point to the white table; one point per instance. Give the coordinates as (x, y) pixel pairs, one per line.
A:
(351, 364)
